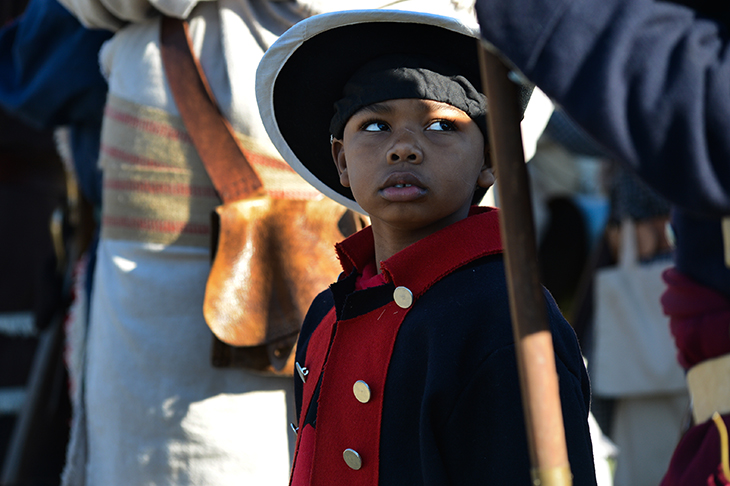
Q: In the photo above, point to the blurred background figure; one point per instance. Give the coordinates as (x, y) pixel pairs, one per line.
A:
(32, 194)
(648, 80)
(51, 96)
(582, 202)
(638, 385)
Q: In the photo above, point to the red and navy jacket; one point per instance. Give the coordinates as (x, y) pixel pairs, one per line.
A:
(414, 382)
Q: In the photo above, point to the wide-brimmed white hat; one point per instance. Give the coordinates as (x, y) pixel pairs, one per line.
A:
(303, 73)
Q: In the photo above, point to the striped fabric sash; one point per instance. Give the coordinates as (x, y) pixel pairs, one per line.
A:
(156, 189)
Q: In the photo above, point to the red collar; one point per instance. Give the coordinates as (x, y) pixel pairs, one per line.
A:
(464, 241)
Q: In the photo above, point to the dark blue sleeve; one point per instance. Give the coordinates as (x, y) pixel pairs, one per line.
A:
(489, 419)
(49, 76)
(492, 431)
(649, 80)
(49, 68)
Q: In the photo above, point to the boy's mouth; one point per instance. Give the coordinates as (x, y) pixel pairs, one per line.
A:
(402, 187)
(401, 180)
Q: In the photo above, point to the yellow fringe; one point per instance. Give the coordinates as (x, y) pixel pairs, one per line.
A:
(724, 454)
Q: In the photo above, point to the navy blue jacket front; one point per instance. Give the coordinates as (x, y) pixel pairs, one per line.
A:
(451, 407)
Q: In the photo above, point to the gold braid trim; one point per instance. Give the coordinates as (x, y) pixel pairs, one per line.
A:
(720, 424)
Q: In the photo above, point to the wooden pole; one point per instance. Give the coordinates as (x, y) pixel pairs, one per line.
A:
(534, 345)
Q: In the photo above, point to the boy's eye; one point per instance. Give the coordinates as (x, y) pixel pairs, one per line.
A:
(376, 126)
(441, 125)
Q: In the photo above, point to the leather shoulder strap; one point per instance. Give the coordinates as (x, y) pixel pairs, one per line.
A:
(212, 135)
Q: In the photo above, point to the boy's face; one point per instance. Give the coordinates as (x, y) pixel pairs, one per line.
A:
(412, 164)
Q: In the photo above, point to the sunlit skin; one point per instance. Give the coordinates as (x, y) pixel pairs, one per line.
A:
(413, 165)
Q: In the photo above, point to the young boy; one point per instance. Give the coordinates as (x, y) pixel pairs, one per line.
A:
(406, 365)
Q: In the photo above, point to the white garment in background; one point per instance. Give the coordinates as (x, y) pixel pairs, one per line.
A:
(157, 412)
(646, 430)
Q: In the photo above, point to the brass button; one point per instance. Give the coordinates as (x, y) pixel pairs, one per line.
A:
(361, 391)
(352, 459)
(403, 297)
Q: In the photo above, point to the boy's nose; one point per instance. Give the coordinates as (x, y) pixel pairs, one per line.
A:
(405, 149)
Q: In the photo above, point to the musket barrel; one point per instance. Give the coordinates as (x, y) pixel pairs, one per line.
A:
(533, 340)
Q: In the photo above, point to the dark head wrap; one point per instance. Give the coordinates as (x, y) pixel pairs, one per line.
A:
(403, 76)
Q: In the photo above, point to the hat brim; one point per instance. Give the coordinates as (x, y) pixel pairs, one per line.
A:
(301, 76)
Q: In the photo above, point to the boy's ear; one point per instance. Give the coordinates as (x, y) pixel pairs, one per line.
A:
(338, 155)
(486, 176)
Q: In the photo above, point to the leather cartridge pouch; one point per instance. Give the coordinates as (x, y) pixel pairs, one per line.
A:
(271, 259)
(270, 256)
